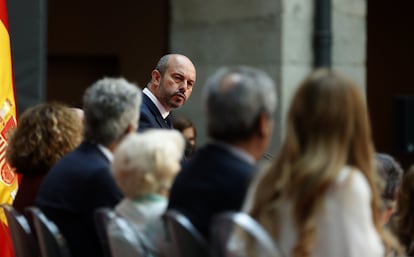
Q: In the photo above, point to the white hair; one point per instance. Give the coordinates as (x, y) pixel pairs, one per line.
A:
(147, 162)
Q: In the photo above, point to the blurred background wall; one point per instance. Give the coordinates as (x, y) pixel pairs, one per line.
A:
(60, 48)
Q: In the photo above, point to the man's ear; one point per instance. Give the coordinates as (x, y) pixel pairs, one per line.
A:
(263, 125)
(131, 128)
(156, 77)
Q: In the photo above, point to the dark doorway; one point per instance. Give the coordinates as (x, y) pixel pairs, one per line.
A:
(390, 58)
(73, 73)
(88, 40)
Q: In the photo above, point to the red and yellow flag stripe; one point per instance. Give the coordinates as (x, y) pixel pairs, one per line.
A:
(8, 179)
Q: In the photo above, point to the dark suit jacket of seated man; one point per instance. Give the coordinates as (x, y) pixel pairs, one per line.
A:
(171, 85)
(82, 180)
(213, 180)
(239, 103)
(75, 187)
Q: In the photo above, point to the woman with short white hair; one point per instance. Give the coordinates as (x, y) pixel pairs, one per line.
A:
(144, 167)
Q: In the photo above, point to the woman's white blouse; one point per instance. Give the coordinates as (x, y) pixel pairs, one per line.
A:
(344, 226)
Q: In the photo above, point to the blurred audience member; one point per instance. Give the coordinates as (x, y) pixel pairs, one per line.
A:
(389, 182)
(319, 197)
(391, 174)
(81, 181)
(171, 84)
(404, 217)
(240, 103)
(187, 128)
(44, 134)
(144, 167)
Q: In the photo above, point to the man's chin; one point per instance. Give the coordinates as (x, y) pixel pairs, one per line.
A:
(176, 104)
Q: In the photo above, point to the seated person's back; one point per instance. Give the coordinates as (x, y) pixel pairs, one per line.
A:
(403, 224)
(144, 167)
(45, 133)
(81, 181)
(318, 198)
(239, 102)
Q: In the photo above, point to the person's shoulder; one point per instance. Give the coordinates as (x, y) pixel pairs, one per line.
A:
(87, 154)
(353, 181)
(67, 161)
(217, 162)
(147, 117)
(216, 155)
(215, 151)
(83, 161)
(146, 103)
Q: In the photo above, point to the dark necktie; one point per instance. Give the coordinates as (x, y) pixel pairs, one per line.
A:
(167, 121)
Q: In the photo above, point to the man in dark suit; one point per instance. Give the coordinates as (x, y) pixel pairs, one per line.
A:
(240, 103)
(171, 85)
(82, 181)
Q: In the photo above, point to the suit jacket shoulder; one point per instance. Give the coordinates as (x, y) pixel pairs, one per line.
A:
(150, 116)
(213, 181)
(80, 182)
(75, 187)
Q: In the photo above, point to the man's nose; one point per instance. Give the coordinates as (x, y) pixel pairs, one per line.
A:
(183, 85)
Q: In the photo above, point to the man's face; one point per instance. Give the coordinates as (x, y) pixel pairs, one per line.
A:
(176, 85)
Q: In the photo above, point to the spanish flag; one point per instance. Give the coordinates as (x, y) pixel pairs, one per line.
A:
(8, 179)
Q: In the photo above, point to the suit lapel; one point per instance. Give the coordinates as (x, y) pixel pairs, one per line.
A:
(168, 122)
(163, 123)
(157, 115)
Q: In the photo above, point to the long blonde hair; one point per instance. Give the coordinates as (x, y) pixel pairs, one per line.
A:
(327, 128)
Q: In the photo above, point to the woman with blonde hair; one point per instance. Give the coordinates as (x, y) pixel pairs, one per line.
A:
(319, 197)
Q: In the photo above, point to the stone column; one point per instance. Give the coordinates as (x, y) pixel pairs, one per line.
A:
(273, 35)
(349, 38)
